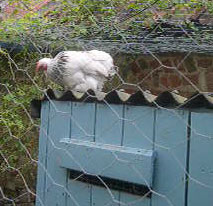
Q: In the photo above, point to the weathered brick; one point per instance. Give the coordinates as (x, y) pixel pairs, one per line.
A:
(164, 81)
(179, 64)
(190, 65)
(142, 63)
(167, 63)
(144, 75)
(154, 64)
(204, 63)
(166, 78)
(135, 68)
(202, 81)
(191, 78)
(174, 80)
(155, 79)
(209, 81)
(168, 70)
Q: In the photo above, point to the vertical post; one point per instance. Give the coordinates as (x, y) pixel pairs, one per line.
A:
(82, 128)
(108, 130)
(42, 157)
(138, 133)
(171, 147)
(200, 188)
(56, 176)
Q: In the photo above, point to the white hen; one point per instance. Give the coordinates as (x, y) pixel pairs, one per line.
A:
(79, 70)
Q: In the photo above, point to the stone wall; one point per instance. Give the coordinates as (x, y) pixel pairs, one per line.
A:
(186, 73)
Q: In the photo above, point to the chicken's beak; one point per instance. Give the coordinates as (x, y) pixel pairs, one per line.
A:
(37, 67)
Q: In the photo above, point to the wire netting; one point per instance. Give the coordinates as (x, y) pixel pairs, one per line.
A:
(157, 46)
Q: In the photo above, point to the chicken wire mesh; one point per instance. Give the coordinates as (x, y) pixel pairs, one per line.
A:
(157, 46)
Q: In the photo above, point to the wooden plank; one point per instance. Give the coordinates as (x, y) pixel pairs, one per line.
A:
(104, 197)
(79, 193)
(82, 128)
(59, 127)
(138, 133)
(83, 118)
(108, 130)
(118, 161)
(171, 148)
(200, 161)
(41, 174)
(138, 127)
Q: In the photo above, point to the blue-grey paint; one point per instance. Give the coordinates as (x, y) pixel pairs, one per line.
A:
(56, 176)
(108, 121)
(201, 160)
(107, 160)
(138, 133)
(42, 158)
(171, 147)
(81, 123)
(121, 142)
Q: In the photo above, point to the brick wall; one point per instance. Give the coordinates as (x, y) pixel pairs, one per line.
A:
(183, 72)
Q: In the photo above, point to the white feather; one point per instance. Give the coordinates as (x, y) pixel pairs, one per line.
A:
(80, 70)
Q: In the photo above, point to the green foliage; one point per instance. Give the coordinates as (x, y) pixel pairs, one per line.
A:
(84, 18)
(18, 132)
(77, 18)
(64, 21)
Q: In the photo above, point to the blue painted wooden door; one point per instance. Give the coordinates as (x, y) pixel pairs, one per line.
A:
(109, 142)
(87, 151)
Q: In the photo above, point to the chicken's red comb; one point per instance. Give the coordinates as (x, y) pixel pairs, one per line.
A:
(37, 67)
